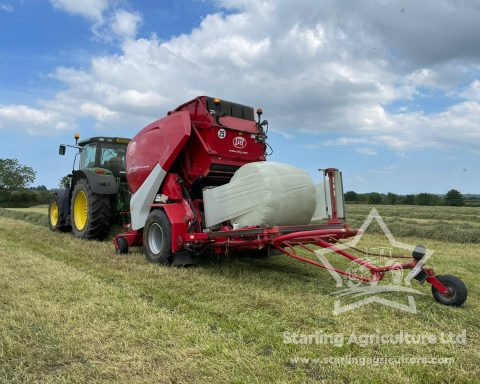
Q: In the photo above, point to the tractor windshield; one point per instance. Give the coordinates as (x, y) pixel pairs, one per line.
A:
(112, 156)
(88, 156)
(106, 155)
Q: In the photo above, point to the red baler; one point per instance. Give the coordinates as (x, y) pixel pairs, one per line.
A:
(201, 144)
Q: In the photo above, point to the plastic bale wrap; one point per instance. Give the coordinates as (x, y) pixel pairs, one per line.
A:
(262, 193)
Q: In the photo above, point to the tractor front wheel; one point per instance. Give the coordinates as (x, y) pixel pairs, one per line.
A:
(157, 241)
(90, 213)
(55, 220)
(457, 291)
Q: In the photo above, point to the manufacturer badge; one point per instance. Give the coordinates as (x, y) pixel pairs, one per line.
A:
(239, 142)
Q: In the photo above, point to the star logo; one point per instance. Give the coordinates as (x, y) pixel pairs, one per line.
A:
(371, 293)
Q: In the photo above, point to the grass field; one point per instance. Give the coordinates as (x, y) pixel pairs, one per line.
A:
(74, 311)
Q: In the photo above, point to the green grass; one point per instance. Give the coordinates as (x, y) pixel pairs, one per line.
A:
(32, 216)
(455, 224)
(74, 311)
(37, 209)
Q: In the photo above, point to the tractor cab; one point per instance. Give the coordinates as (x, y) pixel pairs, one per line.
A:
(104, 153)
(100, 154)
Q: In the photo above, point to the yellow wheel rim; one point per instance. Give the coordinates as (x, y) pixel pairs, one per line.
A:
(80, 210)
(54, 213)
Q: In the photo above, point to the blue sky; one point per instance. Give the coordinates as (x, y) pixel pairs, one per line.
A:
(382, 93)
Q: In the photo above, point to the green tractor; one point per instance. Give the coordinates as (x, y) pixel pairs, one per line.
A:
(98, 191)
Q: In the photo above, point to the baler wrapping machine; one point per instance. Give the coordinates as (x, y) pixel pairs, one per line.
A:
(173, 162)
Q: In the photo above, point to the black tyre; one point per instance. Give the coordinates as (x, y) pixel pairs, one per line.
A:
(90, 213)
(122, 246)
(55, 220)
(457, 291)
(157, 242)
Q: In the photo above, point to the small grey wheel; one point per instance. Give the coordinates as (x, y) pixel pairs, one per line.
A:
(155, 238)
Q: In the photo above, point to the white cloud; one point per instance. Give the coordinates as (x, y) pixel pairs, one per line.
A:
(325, 67)
(91, 9)
(399, 143)
(6, 7)
(24, 114)
(345, 141)
(97, 111)
(108, 23)
(31, 120)
(366, 151)
(472, 92)
(125, 24)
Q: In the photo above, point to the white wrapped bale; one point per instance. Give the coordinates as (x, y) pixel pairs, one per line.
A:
(262, 193)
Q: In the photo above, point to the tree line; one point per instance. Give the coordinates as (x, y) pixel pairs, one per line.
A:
(15, 179)
(451, 198)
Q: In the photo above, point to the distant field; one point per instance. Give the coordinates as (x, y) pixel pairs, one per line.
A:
(74, 311)
(456, 224)
(37, 209)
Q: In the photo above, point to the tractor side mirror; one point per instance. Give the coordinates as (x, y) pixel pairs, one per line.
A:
(61, 150)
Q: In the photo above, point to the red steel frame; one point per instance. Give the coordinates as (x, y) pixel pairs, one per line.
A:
(284, 239)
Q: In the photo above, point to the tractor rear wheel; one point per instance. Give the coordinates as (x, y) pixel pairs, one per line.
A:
(90, 213)
(157, 241)
(55, 220)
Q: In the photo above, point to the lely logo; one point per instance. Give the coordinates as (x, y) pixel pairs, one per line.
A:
(239, 142)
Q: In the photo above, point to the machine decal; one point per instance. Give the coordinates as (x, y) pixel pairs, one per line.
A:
(132, 147)
(239, 142)
(137, 167)
(222, 133)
